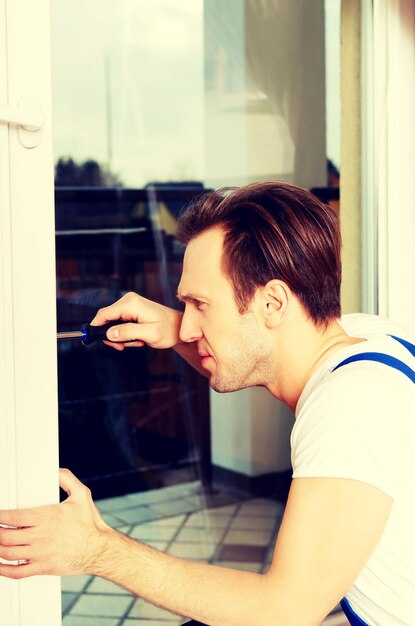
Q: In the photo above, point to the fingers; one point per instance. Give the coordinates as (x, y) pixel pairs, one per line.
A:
(121, 346)
(19, 571)
(147, 323)
(24, 518)
(129, 333)
(14, 537)
(14, 553)
(132, 335)
(14, 544)
(53, 539)
(71, 484)
(29, 518)
(126, 309)
(116, 346)
(122, 309)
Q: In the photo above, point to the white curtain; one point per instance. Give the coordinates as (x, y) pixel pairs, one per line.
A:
(265, 91)
(286, 62)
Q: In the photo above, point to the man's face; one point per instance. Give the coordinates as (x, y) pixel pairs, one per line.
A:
(233, 347)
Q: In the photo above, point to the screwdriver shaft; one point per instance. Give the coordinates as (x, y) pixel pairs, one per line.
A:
(72, 334)
(90, 334)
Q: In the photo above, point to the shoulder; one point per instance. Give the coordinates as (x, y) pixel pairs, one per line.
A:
(354, 423)
(348, 387)
(370, 326)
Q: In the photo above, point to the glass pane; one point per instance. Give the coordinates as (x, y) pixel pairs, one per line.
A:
(131, 98)
(154, 102)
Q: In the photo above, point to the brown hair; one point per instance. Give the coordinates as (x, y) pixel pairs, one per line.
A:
(273, 230)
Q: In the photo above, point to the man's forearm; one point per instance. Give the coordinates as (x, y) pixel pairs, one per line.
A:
(208, 593)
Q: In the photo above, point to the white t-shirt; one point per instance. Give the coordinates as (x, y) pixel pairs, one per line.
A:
(359, 423)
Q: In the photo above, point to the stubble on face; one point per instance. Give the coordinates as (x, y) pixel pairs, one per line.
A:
(238, 344)
(245, 360)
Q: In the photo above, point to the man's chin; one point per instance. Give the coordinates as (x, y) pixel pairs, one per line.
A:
(216, 385)
(220, 389)
(223, 387)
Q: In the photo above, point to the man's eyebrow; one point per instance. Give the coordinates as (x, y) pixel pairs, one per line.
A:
(192, 298)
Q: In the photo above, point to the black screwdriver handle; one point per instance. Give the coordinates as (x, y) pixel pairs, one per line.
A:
(90, 334)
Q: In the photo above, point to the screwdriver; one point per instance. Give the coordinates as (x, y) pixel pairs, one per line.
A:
(89, 334)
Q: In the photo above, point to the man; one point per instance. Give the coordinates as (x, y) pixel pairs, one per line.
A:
(260, 285)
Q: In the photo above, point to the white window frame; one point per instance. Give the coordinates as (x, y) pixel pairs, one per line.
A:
(370, 258)
(388, 134)
(28, 364)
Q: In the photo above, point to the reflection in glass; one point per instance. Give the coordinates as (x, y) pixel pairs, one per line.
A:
(154, 102)
(126, 416)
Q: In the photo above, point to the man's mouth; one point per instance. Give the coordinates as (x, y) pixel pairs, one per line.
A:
(204, 357)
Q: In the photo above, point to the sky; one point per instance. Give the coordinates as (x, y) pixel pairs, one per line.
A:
(142, 60)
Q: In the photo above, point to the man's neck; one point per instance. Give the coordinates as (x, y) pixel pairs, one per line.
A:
(302, 352)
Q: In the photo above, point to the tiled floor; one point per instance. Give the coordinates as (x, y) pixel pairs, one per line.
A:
(181, 520)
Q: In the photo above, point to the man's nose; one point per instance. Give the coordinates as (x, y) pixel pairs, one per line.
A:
(189, 330)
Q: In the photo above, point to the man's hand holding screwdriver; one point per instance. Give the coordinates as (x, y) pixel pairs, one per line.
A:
(152, 324)
(146, 323)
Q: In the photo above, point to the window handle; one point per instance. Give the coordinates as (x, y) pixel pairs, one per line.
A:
(29, 120)
(28, 117)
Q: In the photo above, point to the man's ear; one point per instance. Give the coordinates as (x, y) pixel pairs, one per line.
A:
(275, 298)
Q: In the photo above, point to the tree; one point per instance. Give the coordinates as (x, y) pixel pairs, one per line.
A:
(90, 173)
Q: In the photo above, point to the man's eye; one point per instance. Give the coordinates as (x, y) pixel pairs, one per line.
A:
(199, 305)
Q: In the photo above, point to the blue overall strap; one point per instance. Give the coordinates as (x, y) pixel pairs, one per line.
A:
(353, 617)
(407, 344)
(381, 358)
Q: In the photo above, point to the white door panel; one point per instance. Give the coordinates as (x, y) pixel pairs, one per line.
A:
(28, 387)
